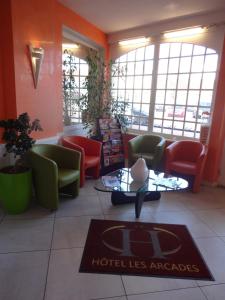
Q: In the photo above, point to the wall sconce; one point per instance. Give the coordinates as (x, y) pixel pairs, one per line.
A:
(36, 56)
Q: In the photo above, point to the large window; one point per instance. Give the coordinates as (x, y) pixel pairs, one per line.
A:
(75, 71)
(169, 87)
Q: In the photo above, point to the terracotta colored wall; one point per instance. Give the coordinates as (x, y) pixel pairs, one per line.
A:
(40, 23)
(217, 134)
(7, 79)
(35, 25)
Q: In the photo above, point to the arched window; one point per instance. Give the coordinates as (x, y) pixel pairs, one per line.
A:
(169, 87)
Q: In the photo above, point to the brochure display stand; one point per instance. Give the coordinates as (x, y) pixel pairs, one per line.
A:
(112, 149)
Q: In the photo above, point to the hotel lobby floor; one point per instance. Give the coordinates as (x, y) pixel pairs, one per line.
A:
(40, 251)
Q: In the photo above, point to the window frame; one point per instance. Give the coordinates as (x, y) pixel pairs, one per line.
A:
(153, 101)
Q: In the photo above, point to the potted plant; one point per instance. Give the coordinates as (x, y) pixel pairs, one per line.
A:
(98, 102)
(16, 180)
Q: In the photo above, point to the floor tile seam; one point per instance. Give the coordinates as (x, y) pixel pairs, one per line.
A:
(25, 251)
(166, 290)
(49, 258)
(212, 284)
(206, 237)
(101, 205)
(123, 284)
(29, 218)
(81, 216)
(65, 248)
(206, 209)
(86, 215)
(209, 226)
(204, 293)
(105, 298)
(220, 237)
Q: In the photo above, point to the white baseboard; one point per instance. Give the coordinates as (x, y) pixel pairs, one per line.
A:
(50, 140)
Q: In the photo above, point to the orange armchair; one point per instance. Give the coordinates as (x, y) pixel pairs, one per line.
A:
(186, 157)
(90, 155)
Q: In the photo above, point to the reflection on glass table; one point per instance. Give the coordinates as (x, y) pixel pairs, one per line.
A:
(125, 190)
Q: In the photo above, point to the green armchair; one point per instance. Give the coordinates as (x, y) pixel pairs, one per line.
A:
(54, 168)
(150, 147)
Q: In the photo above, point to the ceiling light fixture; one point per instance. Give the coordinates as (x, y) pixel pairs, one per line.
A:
(140, 40)
(184, 32)
(70, 46)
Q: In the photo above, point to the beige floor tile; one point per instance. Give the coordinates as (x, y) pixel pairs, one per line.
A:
(213, 252)
(176, 217)
(25, 235)
(214, 292)
(31, 213)
(138, 284)
(65, 282)
(88, 188)
(23, 275)
(80, 206)
(214, 218)
(71, 231)
(184, 294)
(130, 217)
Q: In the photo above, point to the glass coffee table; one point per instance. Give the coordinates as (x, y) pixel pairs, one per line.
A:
(125, 190)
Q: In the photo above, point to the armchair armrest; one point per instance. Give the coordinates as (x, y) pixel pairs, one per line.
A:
(40, 162)
(202, 157)
(159, 150)
(66, 158)
(134, 144)
(93, 147)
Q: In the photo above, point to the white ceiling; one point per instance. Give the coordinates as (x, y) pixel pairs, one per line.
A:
(116, 15)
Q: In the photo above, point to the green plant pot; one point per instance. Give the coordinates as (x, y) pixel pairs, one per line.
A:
(15, 191)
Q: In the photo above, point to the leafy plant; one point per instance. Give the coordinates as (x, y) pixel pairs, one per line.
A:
(16, 136)
(91, 103)
(98, 101)
(69, 86)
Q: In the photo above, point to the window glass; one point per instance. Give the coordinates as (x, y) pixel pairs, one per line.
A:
(174, 99)
(74, 72)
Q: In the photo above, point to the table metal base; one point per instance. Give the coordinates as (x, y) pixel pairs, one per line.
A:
(138, 199)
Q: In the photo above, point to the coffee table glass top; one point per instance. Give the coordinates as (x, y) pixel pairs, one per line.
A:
(121, 181)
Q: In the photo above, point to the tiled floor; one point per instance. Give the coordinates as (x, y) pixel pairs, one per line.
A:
(40, 251)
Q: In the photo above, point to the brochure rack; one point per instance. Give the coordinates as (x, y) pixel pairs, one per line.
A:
(112, 149)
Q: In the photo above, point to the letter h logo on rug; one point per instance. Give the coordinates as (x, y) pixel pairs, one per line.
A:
(151, 241)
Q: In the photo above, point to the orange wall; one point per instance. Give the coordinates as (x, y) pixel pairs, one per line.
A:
(217, 134)
(7, 74)
(35, 25)
(40, 23)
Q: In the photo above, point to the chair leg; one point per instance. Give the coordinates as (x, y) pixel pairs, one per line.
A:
(96, 172)
(196, 184)
(72, 189)
(82, 177)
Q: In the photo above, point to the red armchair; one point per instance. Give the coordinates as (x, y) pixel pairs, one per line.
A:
(186, 157)
(90, 155)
